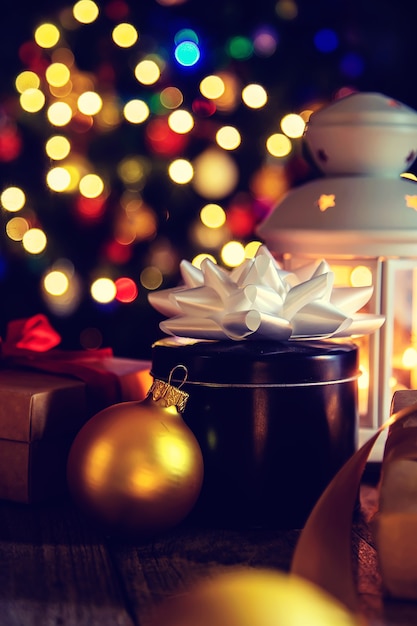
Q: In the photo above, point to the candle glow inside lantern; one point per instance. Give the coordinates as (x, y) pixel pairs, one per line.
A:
(361, 217)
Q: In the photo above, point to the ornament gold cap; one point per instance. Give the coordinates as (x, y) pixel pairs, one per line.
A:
(168, 394)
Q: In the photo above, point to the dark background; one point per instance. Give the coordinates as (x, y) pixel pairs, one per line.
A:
(376, 51)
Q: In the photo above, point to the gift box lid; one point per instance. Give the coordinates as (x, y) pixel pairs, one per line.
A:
(35, 404)
(253, 362)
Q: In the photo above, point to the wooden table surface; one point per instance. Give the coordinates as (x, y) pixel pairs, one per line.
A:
(56, 569)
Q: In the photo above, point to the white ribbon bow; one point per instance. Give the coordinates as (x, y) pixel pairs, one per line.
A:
(260, 300)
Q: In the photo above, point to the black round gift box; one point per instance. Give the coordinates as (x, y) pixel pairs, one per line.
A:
(275, 421)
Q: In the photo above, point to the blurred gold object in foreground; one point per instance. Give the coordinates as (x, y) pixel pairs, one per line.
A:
(243, 596)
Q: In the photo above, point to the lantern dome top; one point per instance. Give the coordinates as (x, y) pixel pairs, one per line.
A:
(364, 134)
(362, 205)
(364, 108)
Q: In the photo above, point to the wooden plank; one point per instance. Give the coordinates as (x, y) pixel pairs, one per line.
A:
(166, 566)
(54, 569)
(57, 569)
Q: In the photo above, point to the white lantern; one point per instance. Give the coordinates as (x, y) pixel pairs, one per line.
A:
(361, 217)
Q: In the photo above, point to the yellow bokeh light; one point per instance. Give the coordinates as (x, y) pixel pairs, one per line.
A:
(213, 215)
(91, 186)
(59, 113)
(58, 179)
(181, 121)
(110, 114)
(32, 100)
(125, 35)
(103, 290)
(215, 174)
(85, 11)
(61, 92)
(57, 74)
(73, 171)
(228, 138)
(83, 82)
(199, 258)
(363, 380)
(34, 241)
(251, 249)
(306, 114)
(63, 55)
(136, 111)
(181, 171)
(56, 283)
(89, 103)
(341, 274)
(233, 253)
(254, 96)
(212, 87)
(286, 9)
(16, 228)
(57, 147)
(361, 276)
(208, 238)
(171, 97)
(139, 221)
(132, 170)
(293, 125)
(278, 145)
(147, 72)
(409, 358)
(27, 80)
(13, 199)
(47, 35)
(229, 98)
(151, 278)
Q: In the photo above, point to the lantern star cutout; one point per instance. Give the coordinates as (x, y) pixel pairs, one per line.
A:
(411, 157)
(411, 202)
(260, 300)
(326, 201)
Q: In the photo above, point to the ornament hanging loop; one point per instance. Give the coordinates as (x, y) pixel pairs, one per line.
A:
(180, 366)
(169, 395)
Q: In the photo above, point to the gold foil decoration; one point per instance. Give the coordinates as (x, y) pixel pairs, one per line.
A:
(169, 395)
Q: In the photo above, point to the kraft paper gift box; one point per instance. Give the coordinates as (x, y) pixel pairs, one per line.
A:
(40, 414)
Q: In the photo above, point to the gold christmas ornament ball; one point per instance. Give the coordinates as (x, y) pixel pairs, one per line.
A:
(244, 596)
(135, 468)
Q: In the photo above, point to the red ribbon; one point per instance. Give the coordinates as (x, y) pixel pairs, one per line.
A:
(32, 343)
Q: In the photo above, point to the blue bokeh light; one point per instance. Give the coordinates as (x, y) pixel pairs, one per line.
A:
(186, 34)
(352, 65)
(326, 40)
(187, 53)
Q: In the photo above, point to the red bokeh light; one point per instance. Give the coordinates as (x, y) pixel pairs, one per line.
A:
(10, 144)
(118, 253)
(90, 209)
(162, 140)
(127, 290)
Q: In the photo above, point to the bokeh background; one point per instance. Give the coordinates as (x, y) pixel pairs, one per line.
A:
(188, 132)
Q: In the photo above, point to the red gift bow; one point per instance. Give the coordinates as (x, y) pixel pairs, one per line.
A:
(31, 343)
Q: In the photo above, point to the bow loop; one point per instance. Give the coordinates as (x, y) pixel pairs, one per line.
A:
(34, 334)
(31, 343)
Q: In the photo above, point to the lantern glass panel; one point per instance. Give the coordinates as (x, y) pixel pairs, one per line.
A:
(404, 324)
(357, 272)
